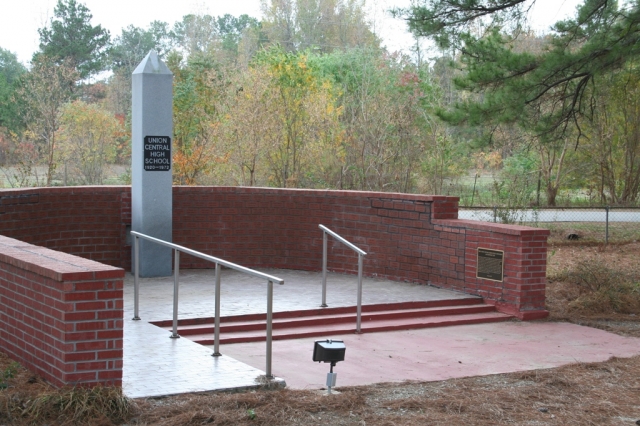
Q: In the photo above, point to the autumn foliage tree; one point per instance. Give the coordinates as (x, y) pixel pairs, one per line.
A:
(317, 25)
(250, 126)
(388, 129)
(88, 142)
(44, 91)
(197, 88)
(307, 117)
(308, 97)
(19, 160)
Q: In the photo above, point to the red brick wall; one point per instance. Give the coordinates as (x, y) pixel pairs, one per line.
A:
(414, 238)
(410, 238)
(61, 315)
(263, 227)
(85, 221)
(522, 291)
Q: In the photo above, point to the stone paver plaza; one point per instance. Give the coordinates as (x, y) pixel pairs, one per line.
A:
(156, 365)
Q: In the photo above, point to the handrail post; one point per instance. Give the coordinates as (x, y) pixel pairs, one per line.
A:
(324, 270)
(219, 263)
(360, 252)
(176, 284)
(216, 330)
(359, 314)
(269, 327)
(136, 278)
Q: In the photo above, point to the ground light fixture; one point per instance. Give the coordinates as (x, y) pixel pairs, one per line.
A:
(330, 351)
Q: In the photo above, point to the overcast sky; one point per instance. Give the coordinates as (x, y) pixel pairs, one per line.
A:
(20, 19)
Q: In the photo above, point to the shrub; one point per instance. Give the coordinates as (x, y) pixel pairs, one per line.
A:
(603, 289)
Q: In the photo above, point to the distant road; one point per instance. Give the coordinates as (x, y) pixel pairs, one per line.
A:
(555, 215)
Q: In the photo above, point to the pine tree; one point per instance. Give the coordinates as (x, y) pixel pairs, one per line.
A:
(71, 37)
(548, 91)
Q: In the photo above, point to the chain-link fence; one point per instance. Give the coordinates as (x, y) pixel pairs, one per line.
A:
(596, 224)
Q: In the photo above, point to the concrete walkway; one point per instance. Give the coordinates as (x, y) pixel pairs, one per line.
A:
(156, 365)
(441, 353)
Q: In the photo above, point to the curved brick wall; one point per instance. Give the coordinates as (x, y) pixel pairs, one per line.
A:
(262, 227)
(86, 221)
(407, 237)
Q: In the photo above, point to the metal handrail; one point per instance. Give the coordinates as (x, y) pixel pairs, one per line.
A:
(361, 254)
(218, 262)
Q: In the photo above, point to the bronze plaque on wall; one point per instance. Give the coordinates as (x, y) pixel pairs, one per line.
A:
(490, 264)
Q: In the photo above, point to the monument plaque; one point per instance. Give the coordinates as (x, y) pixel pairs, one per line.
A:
(157, 153)
(490, 264)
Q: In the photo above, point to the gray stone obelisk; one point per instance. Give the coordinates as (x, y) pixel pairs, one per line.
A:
(151, 180)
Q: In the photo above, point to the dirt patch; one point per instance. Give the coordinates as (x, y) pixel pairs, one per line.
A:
(606, 393)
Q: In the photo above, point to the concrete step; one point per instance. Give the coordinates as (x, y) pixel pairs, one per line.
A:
(333, 321)
(326, 311)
